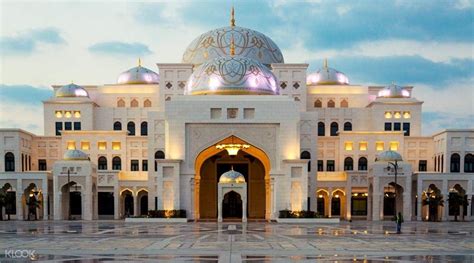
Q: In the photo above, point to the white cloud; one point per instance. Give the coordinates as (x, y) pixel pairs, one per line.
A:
(22, 116)
(433, 51)
(458, 98)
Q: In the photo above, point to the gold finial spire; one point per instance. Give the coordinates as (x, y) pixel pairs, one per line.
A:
(232, 46)
(232, 17)
(325, 63)
(139, 62)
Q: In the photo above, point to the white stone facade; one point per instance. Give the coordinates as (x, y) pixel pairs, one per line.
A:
(317, 144)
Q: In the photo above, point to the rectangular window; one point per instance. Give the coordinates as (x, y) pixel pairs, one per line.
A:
(348, 146)
(116, 146)
(320, 165)
(85, 145)
(393, 146)
(397, 126)
(59, 128)
(388, 126)
(362, 146)
(102, 145)
(68, 126)
(330, 165)
(134, 166)
(42, 166)
(406, 128)
(379, 146)
(422, 166)
(71, 145)
(145, 165)
(77, 126)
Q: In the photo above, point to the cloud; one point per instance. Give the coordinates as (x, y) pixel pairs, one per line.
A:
(120, 48)
(26, 43)
(401, 69)
(21, 107)
(24, 94)
(434, 122)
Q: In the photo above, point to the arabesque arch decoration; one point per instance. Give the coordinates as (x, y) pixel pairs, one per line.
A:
(211, 150)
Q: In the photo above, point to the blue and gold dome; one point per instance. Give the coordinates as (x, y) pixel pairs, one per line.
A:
(232, 75)
(248, 43)
(70, 91)
(138, 75)
(232, 177)
(327, 76)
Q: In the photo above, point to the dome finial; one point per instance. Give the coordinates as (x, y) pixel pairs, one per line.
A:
(232, 17)
(232, 46)
(139, 62)
(325, 63)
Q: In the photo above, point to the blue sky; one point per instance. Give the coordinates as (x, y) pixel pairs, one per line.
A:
(427, 44)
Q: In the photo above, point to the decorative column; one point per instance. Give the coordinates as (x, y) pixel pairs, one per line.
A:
(330, 205)
(197, 188)
(191, 203)
(244, 206)
(445, 208)
(419, 193)
(376, 207)
(348, 204)
(135, 204)
(45, 206)
(116, 203)
(19, 206)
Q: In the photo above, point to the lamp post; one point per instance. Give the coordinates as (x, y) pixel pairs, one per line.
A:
(392, 158)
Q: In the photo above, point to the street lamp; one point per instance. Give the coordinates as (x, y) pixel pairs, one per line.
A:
(392, 158)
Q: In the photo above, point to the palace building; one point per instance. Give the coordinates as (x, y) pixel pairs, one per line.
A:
(234, 131)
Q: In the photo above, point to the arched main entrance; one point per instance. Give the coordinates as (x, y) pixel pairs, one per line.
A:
(253, 163)
(232, 205)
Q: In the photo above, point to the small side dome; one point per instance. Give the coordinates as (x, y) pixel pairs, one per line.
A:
(389, 156)
(393, 91)
(232, 75)
(327, 76)
(138, 75)
(75, 155)
(232, 177)
(71, 90)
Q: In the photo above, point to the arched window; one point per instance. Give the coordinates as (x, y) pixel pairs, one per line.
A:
(348, 126)
(116, 163)
(321, 129)
(334, 128)
(22, 162)
(469, 163)
(442, 163)
(134, 103)
(147, 103)
(120, 103)
(318, 103)
(331, 104)
(158, 155)
(131, 128)
(9, 162)
(144, 128)
(455, 163)
(362, 164)
(102, 163)
(297, 99)
(117, 126)
(344, 103)
(305, 155)
(348, 164)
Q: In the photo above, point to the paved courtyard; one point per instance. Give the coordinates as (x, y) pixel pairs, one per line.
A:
(359, 241)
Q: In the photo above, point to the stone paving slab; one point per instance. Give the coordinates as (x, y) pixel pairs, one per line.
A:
(231, 242)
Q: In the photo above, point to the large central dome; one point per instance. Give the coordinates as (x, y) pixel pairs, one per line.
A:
(232, 75)
(248, 43)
